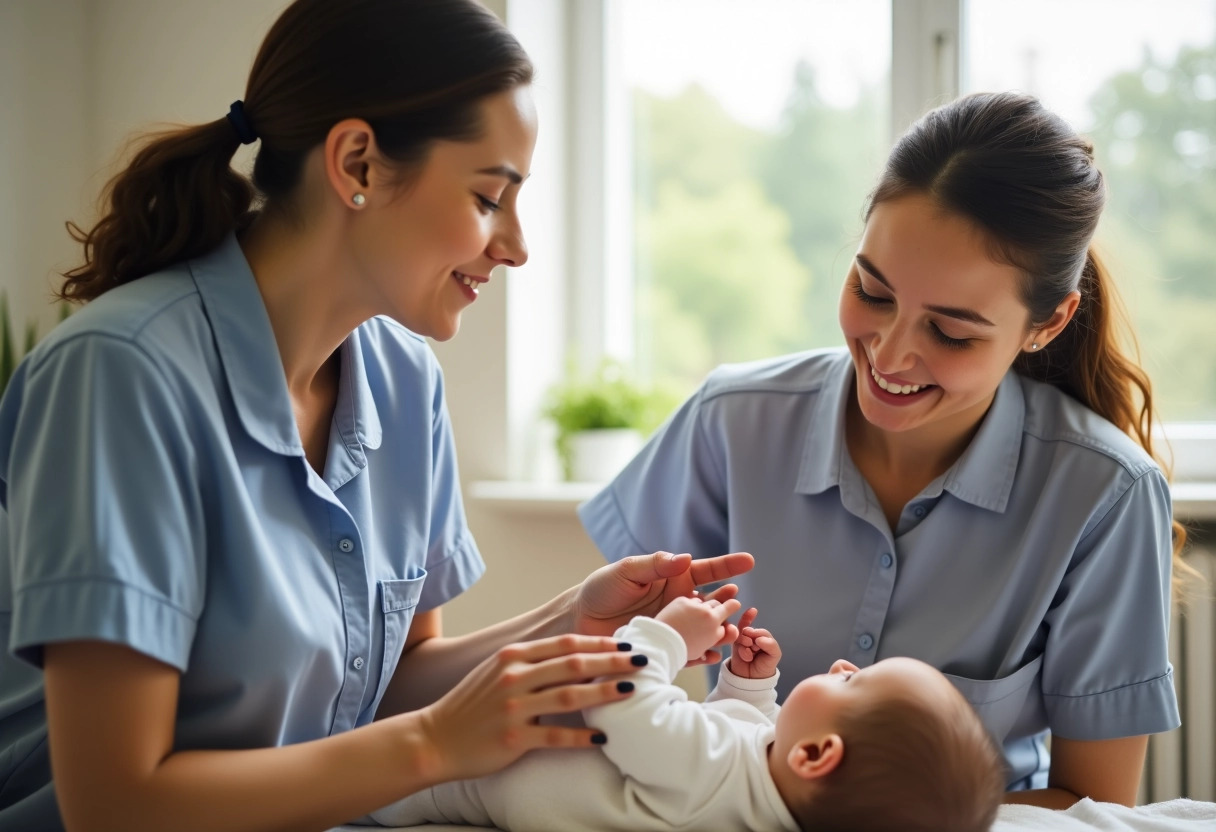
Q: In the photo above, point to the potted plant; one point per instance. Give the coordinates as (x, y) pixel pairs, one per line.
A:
(602, 421)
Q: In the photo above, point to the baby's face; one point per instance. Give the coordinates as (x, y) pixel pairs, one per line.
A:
(814, 705)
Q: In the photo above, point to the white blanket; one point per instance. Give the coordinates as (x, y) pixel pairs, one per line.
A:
(1086, 816)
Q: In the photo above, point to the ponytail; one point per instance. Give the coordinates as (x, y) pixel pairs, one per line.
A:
(1088, 362)
(417, 72)
(177, 199)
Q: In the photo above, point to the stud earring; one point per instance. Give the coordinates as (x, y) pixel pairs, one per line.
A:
(358, 199)
(1034, 346)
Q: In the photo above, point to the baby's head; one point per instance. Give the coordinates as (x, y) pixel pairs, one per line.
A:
(890, 747)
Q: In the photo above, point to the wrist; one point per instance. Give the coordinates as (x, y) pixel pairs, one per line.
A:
(422, 747)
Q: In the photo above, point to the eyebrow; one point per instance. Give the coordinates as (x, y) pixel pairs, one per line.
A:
(968, 315)
(504, 170)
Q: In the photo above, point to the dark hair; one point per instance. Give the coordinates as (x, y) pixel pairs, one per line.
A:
(1024, 176)
(908, 767)
(415, 70)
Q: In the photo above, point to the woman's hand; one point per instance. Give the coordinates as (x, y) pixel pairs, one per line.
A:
(491, 717)
(702, 624)
(642, 585)
(756, 653)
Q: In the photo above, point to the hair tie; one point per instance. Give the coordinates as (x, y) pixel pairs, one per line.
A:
(240, 123)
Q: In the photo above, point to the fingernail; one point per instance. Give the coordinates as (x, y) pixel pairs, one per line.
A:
(599, 739)
(639, 660)
(624, 687)
(624, 646)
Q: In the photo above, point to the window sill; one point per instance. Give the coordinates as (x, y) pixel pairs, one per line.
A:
(553, 498)
(1193, 501)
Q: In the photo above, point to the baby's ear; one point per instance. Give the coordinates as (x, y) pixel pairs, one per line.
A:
(815, 758)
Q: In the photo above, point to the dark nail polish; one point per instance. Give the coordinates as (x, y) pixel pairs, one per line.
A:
(624, 646)
(624, 687)
(599, 739)
(639, 660)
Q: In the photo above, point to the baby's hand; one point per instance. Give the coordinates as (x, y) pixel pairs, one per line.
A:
(702, 624)
(755, 652)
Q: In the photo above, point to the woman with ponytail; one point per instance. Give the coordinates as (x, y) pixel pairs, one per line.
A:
(229, 493)
(971, 482)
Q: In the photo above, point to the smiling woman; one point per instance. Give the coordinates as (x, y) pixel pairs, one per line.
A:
(971, 481)
(240, 626)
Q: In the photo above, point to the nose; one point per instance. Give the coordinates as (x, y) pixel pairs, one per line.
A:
(508, 246)
(891, 349)
(843, 666)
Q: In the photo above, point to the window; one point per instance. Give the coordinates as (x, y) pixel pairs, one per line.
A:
(755, 131)
(1143, 86)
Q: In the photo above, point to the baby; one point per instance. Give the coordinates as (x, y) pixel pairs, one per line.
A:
(889, 747)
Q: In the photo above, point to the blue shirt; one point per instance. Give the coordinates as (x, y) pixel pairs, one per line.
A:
(156, 495)
(1035, 572)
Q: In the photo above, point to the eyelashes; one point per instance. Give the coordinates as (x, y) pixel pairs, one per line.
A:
(942, 338)
(488, 205)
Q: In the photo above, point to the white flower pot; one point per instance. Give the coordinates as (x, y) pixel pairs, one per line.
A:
(599, 455)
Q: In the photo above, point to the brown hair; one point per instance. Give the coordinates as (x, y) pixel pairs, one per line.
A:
(1022, 175)
(416, 70)
(908, 767)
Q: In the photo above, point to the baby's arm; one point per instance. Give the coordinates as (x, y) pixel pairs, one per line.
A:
(659, 738)
(751, 674)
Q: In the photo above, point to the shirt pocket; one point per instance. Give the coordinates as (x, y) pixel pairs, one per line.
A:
(398, 600)
(999, 702)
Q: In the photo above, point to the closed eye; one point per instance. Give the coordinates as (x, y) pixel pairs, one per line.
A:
(488, 205)
(868, 299)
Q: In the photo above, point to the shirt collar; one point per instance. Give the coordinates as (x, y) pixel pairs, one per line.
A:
(982, 476)
(250, 358)
(823, 451)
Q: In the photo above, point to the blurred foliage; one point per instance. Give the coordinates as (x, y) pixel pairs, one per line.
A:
(1155, 139)
(743, 236)
(10, 352)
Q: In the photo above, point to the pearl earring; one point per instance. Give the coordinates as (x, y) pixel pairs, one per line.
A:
(1034, 346)
(358, 199)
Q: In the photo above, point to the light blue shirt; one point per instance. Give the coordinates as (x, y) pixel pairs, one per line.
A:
(156, 495)
(1035, 572)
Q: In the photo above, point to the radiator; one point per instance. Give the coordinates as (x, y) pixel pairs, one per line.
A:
(1182, 763)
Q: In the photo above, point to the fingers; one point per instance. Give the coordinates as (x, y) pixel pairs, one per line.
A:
(565, 672)
(747, 618)
(723, 610)
(645, 569)
(550, 648)
(566, 698)
(723, 593)
(711, 570)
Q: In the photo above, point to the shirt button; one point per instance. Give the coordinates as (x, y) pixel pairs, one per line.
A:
(866, 641)
(357, 664)
(886, 560)
(919, 511)
(346, 545)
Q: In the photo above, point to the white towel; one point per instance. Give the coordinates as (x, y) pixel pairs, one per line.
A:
(1088, 816)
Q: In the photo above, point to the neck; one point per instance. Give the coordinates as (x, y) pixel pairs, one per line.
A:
(922, 453)
(789, 785)
(300, 277)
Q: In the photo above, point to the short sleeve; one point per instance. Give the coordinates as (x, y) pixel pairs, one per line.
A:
(105, 524)
(671, 496)
(1106, 670)
(453, 561)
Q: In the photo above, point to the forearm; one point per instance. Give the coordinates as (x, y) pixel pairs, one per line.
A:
(433, 666)
(1047, 798)
(309, 786)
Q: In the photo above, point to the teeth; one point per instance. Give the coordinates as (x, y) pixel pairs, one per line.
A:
(467, 281)
(899, 389)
